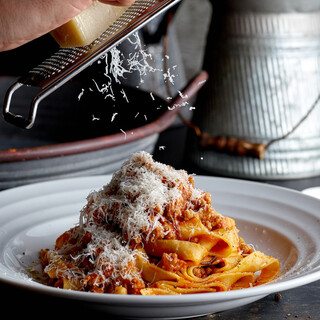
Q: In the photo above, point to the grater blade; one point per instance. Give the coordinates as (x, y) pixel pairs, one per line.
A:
(66, 63)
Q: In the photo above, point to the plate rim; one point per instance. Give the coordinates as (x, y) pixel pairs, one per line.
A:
(89, 182)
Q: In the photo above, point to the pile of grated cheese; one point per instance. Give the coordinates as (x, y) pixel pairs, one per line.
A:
(131, 204)
(139, 192)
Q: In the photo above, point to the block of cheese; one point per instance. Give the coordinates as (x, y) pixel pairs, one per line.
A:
(88, 25)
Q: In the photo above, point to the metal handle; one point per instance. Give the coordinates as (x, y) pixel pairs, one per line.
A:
(16, 119)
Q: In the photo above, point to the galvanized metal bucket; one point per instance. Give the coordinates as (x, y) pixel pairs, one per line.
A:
(263, 58)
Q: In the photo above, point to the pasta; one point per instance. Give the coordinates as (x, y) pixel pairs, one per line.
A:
(150, 231)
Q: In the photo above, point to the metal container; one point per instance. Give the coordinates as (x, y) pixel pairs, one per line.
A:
(263, 59)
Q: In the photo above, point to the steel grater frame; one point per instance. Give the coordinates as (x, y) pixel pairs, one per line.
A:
(66, 63)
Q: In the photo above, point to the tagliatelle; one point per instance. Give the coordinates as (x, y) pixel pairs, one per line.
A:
(185, 250)
(151, 232)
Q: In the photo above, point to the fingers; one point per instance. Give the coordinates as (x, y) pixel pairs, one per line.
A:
(23, 21)
(118, 2)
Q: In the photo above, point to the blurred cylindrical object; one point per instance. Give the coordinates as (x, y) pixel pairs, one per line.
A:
(263, 60)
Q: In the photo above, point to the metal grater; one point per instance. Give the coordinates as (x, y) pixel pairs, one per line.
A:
(68, 62)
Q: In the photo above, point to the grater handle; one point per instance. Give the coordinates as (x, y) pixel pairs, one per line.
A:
(19, 120)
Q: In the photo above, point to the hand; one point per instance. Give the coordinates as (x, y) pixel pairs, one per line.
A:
(23, 21)
(118, 2)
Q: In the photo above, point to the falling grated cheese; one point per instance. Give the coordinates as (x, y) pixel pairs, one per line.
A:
(80, 94)
(95, 118)
(113, 116)
(139, 60)
(125, 134)
(169, 76)
(124, 95)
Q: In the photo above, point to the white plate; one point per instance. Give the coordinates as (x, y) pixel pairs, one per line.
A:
(279, 222)
(314, 192)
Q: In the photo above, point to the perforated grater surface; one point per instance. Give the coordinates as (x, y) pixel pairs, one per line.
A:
(68, 62)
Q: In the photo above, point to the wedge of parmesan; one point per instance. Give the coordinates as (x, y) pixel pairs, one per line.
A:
(88, 25)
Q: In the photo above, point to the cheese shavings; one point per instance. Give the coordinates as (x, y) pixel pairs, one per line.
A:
(136, 197)
(108, 260)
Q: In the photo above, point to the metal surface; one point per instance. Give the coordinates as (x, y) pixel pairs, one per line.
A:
(264, 72)
(68, 62)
